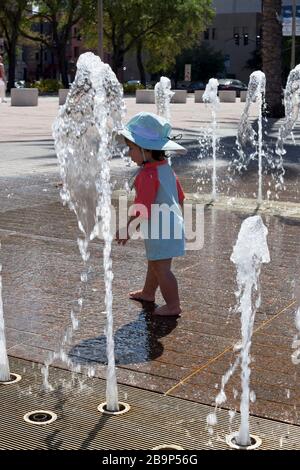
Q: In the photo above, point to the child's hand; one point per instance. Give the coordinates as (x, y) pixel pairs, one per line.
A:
(121, 241)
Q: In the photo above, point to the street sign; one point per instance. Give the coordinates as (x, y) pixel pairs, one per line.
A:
(287, 20)
(187, 72)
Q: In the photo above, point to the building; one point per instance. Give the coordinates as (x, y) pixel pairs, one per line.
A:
(236, 32)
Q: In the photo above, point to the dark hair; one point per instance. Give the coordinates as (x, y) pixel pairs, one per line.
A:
(158, 155)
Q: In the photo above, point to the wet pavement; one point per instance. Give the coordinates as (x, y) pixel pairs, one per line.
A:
(185, 358)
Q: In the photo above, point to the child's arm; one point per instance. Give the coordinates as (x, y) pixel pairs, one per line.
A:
(123, 241)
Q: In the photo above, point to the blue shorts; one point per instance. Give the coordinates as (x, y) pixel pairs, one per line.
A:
(164, 241)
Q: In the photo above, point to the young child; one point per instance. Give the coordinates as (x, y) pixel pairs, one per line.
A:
(148, 137)
(2, 81)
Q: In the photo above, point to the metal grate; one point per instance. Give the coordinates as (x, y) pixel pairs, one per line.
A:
(153, 419)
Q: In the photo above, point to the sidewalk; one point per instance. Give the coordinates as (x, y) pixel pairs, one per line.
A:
(34, 123)
(26, 145)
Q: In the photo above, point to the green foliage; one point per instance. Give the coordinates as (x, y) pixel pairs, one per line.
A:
(49, 85)
(12, 14)
(205, 62)
(163, 27)
(131, 88)
(255, 61)
(286, 55)
(180, 32)
(61, 16)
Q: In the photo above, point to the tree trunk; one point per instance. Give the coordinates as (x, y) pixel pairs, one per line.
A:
(140, 64)
(272, 56)
(11, 52)
(63, 66)
(118, 63)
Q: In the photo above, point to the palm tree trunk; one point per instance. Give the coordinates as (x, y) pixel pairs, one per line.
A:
(272, 56)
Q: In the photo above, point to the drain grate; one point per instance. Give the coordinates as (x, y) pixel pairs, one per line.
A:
(14, 378)
(232, 442)
(168, 447)
(40, 417)
(154, 419)
(123, 408)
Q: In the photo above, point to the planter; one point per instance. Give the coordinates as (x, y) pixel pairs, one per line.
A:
(198, 96)
(179, 96)
(24, 96)
(145, 96)
(227, 96)
(62, 95)
(243, 96)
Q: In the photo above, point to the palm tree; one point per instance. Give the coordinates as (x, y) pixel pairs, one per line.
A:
(272, 56)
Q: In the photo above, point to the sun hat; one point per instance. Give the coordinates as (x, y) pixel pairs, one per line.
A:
(151, 132)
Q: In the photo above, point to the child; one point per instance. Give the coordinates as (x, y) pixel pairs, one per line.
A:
(148, 137)
(2, 81)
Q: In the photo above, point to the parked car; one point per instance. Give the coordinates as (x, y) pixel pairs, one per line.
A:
(182, 85)
(232, 84)
(133, 82)
(193, 86)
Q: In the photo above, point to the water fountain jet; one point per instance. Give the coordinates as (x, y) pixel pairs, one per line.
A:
(292, 107)
(6, 377)
(249, 253)
(163, 96)
(84, 134)
(4, 364)
(246, 134)
(210, 96)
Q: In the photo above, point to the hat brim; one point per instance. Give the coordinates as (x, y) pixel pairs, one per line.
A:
(158, 144)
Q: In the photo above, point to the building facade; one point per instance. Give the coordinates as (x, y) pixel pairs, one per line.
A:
(236, 32)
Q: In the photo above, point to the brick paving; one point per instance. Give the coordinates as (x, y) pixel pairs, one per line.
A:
(184, 358)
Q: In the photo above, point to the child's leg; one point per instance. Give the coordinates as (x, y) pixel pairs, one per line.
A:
(168, 286)
(149, 289)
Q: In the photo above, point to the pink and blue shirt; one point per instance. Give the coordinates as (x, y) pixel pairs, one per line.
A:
(158, 198)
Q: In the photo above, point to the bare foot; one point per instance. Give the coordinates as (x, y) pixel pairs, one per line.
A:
(165, 311)
(140, 296)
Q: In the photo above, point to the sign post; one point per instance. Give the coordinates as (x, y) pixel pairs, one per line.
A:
(293, 51)
(187, 72)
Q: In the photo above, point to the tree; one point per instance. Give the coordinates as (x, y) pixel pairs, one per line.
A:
(162, 28)
(286, 55)
(12, 14)
(272, 56)
(166, 42)
(61, 16)
(255, 61)
(205, 63)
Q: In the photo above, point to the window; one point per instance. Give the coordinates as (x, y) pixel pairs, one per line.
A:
(213, 34)
(206, 34)
(76, 52)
